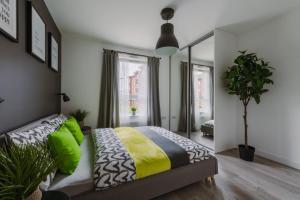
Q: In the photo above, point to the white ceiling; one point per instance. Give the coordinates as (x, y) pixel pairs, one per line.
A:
(136, 23)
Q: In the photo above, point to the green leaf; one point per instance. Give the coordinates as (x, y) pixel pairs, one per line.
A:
(248, 77)
(257, 99)
(79, 115)
(23, 168)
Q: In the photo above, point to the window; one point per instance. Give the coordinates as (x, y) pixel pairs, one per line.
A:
(133, 89)
(202, 93)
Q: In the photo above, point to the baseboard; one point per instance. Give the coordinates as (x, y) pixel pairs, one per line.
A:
(278, 159)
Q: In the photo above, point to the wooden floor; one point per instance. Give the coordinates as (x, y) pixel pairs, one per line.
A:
(207, 141)
(237, 179)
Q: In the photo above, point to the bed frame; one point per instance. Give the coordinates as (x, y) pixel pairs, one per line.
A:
(156, 185)
(146, 188)
(207, 130)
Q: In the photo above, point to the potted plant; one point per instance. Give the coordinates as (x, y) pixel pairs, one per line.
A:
(247, 79)
(79, 115)
(133, 110)
(22, 169)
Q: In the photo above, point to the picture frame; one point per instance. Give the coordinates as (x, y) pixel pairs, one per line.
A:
(53, 52)
(36, 33)
(9, 19)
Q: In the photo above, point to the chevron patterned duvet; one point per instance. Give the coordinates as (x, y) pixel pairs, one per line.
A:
(126, 154)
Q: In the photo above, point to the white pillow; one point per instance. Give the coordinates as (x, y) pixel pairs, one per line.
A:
(210, 123)
(56, 121)
(37, 134)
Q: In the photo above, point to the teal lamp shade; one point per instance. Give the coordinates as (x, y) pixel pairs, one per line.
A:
(166, 51)
(167, 43)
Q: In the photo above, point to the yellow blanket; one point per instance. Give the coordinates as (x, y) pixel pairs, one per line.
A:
(149, 158)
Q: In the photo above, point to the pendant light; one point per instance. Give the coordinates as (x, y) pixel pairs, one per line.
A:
(167, 43)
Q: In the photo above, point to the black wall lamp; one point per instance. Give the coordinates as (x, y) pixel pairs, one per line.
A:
(64, 96)
(1, 100)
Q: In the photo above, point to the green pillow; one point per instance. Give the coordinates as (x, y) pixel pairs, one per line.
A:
(74, 128)
(65, 150)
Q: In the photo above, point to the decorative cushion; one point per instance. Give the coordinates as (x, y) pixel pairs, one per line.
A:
(75, 129)
(37, 134)
(65, 150)
(32, 136)
(56, 121)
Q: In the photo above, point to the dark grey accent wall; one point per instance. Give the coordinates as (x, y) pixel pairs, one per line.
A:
(28, 86)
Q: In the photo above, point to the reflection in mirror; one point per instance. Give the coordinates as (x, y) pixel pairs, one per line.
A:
(202, 90)
(178, 92)
(201, 93)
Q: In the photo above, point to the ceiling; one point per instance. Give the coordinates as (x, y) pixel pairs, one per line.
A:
(136, 23)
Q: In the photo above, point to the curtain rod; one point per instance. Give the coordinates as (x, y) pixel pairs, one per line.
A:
(134, 54)
(200, 65)
(203, 65)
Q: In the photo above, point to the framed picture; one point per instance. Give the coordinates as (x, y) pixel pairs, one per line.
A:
(53, 52)
(36, 33)
(9, 19)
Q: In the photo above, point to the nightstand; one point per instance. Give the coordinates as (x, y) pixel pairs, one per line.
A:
(54, 195)
(86, 130)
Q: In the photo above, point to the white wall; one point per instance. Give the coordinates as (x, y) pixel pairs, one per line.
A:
(175, 92)
(226, 106)
(274, 127)
(81, 72)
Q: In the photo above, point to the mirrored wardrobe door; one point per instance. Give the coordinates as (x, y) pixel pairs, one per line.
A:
(178, 88)
(202, 90)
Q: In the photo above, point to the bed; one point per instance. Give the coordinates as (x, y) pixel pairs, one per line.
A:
(87, 181)
(208, 128)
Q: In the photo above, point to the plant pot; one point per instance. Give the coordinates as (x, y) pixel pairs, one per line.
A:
(133, 113)
(36, 195)
(246, 154)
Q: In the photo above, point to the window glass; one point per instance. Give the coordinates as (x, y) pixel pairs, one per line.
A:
(202, 94)
(133, 89)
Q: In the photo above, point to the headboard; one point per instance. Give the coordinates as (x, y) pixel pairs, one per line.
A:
(28, 86)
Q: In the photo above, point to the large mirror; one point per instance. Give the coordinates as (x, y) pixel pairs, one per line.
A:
(202, 92)
(192, 80)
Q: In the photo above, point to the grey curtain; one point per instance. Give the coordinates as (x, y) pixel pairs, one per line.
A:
(212, 88)
(154, 117)
(109, 100)
(183, 106)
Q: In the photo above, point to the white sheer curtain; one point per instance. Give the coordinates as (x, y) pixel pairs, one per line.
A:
(202, 94)
(132, 90)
